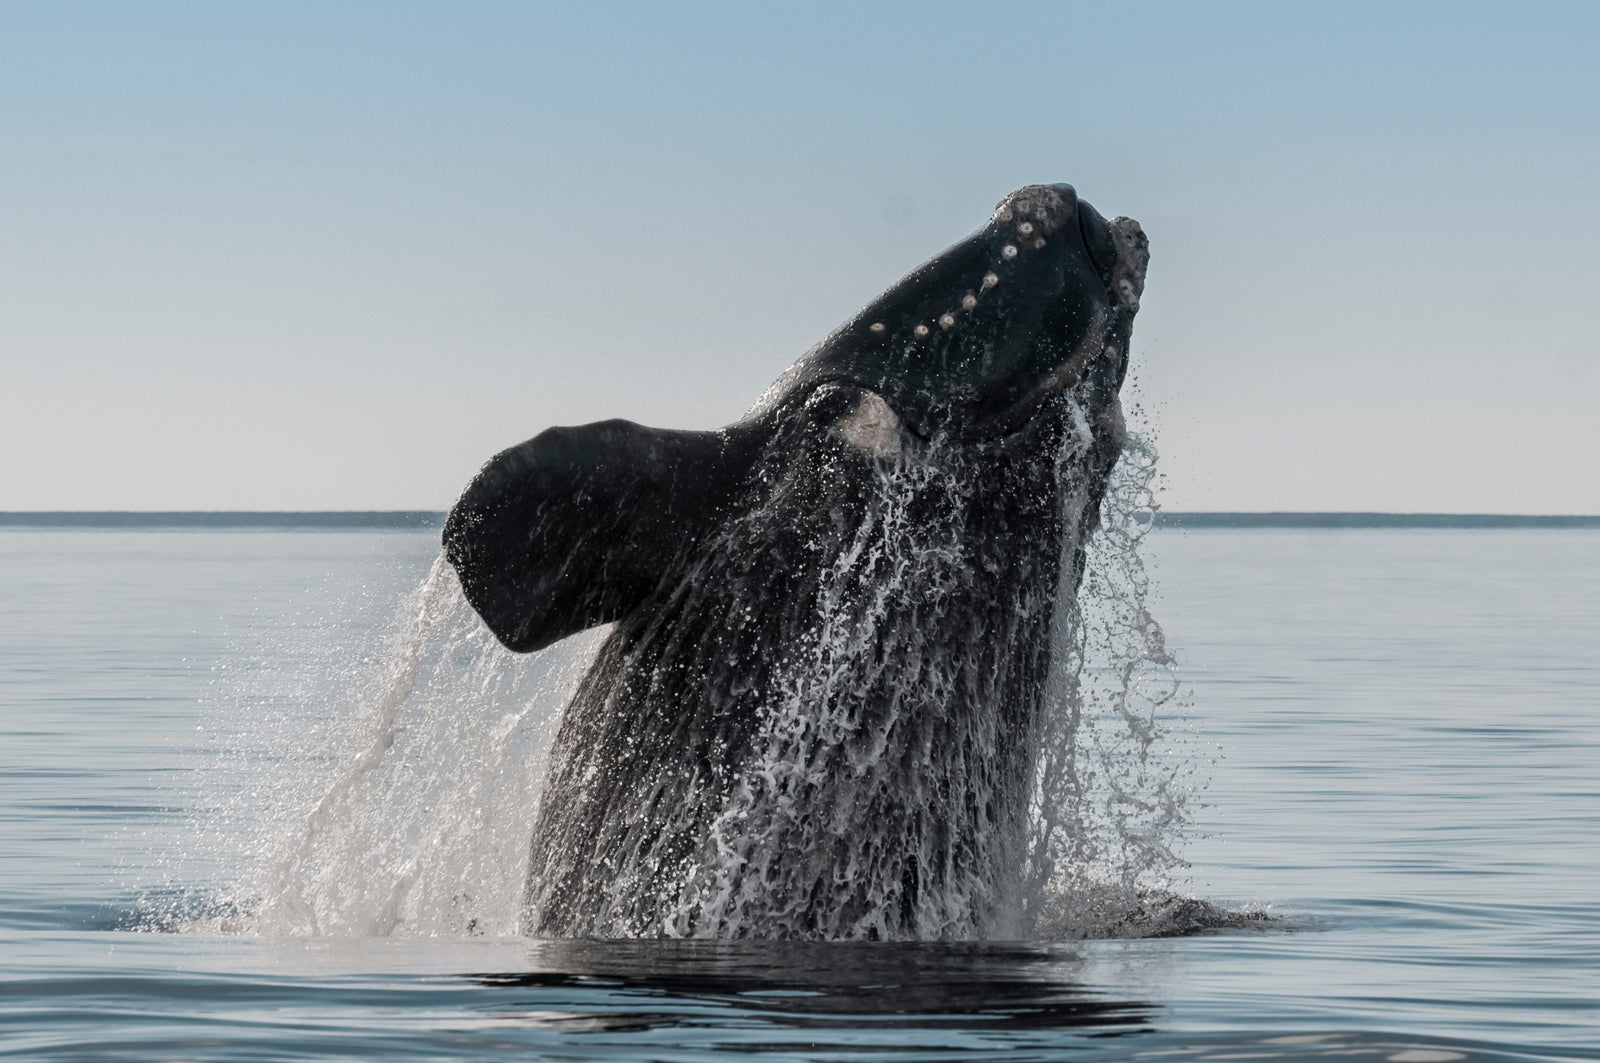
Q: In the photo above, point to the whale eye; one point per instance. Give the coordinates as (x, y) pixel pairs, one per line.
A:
(1097, 240)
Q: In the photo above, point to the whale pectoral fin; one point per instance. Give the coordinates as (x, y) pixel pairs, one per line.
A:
(577, 526)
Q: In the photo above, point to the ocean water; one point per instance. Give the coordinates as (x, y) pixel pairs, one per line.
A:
(1400, 728)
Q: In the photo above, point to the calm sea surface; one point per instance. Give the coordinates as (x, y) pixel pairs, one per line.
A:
(1402, 732)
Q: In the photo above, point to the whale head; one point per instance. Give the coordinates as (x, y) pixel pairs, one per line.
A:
(1030, 314)
(975, 341)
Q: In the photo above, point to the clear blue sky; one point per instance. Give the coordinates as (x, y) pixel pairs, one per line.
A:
(331, 255)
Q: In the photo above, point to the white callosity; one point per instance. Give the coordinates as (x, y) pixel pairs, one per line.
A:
(871, 427)
(1049, 210)
(1133, 257)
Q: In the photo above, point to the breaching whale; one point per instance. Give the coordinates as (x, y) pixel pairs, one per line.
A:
(818, 713)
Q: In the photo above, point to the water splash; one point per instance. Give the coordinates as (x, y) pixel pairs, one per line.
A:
(421, 825)
(1116, 782)
(1111, 796)
(847, 733)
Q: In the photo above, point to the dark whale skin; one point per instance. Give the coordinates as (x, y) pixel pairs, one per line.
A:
(816, 716)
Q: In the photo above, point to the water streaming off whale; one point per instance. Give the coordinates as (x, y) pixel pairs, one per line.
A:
(422, 829)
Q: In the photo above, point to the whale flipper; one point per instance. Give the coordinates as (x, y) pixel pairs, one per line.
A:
(578, 525)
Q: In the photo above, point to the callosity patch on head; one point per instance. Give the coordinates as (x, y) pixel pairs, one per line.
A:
(872, 427)
(1133, 257)
(1041, 208)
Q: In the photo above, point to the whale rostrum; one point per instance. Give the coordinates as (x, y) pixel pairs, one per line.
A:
(818, 712)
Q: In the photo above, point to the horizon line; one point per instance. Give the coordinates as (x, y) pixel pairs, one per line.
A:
(433, 519)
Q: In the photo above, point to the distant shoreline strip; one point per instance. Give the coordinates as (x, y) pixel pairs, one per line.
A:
(225, 520)
(433, 520)
(1372, 520)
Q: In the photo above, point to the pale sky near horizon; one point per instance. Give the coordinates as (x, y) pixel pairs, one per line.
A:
(333, 255)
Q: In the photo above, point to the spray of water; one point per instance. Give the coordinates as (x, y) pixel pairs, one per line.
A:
(1115, 782)
(422, 827)
(820, 835)
(394, 797)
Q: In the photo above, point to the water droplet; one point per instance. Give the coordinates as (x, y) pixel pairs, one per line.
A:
(946, 320)
(969, 301)
(990, 280)
(1008, 251)
(921, 330)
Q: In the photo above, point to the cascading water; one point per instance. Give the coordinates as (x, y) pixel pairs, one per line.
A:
(848, 731)
(1115, 781)
(851, 724)
(423, 829)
